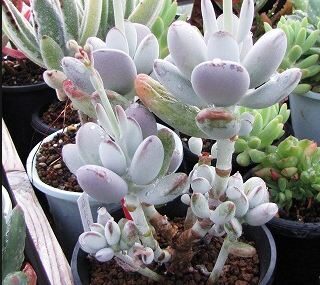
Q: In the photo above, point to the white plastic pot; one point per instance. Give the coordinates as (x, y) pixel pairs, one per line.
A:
(305, 115)
(63, 204)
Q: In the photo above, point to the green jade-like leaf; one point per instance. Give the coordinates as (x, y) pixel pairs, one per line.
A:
(13, 251)
(173, 112)
(51, 53)
(146, 12)
(91, 20)
(48, 21)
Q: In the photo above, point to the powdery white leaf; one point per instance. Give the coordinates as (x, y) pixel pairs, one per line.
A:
(147, 161)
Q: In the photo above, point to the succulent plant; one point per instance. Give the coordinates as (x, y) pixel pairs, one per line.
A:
(267, 127)
(219, 203)
(129, 49)
(310, 7)
(292, 172)
(303, 51)
(206, 80)
(13, 241)
(44, 39)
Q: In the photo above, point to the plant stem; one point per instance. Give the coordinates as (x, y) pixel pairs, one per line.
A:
(98, 85)
(145, 271)
(159, 222)
(221, 260)
(225, 149)
(134, 207)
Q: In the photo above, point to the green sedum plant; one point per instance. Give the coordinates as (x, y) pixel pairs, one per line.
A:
(292, 172)
(267, 127)
(303, 51)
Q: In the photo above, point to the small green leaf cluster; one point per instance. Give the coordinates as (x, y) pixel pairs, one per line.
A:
(292, 172)
(303, 50)
(267, 127)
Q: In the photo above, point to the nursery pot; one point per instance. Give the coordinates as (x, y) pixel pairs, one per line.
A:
(305, 115)
(260, 235)
(190, 159)
(40, 127)
(298, 247)
(18, 104)
(63, 205)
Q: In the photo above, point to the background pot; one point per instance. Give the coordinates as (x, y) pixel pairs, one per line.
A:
(260, 235)
(305, 115)
(63, 205)
(40, 127)
(190, 159)
(298, 247)
(18, 104)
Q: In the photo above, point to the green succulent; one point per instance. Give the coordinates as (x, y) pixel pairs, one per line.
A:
(267, 127)
(13, 242)
(292, 171)
(310, 7)
(303, 50)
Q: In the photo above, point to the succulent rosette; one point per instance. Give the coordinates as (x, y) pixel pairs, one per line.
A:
(222, 69)
(132, 156)
(129, 49)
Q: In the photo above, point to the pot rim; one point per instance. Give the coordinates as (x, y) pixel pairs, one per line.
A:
(309, 94)
(68, 195)
(25, 88)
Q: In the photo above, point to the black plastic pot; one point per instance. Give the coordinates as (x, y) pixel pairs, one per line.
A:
(190, 159)
(18, 104)
(260, 235)
(298, 246)
(41, 129)
(298, 251)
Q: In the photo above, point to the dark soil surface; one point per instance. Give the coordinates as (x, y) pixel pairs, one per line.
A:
(17, 72)
(237, 271)
(50, 166)
(303, 212)
(60, 114)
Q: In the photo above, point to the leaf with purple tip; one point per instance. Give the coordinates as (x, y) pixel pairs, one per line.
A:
(91, 242)
(220, 82)
(165, 189)
(112, 157)
(101, 184)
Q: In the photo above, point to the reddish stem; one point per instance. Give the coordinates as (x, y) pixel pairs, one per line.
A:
(125, 210)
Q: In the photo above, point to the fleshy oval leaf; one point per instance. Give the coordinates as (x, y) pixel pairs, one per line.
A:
(101, 183)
